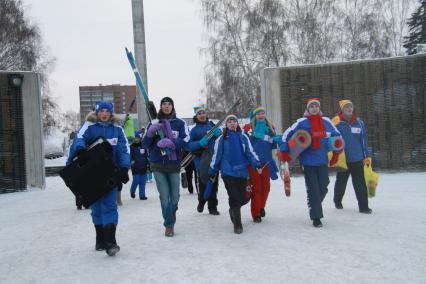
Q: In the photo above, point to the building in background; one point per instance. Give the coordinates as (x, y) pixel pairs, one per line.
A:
(120, 95)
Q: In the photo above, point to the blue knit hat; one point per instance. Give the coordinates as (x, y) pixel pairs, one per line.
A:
(198, 109)
(104, 104)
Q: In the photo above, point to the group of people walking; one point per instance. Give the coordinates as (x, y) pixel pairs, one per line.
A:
(242, 156)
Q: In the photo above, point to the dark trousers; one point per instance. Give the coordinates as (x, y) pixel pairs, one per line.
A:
(236, 188)
(316, 180)
(212, 201)
(356, 170)
(189, 171)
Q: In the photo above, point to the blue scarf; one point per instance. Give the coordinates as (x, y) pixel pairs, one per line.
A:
(260, 129)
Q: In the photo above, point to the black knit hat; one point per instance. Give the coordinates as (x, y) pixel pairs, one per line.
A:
(167, 100)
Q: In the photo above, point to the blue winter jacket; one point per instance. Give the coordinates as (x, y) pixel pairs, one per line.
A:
(113, 133)
(311, 156)
(180, 138)
(355, 136)
(195, 135)
(139, 159)
(263, 149)
(232, 159)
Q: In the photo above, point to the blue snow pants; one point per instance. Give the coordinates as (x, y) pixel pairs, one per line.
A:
(104, 211)
(139, 180)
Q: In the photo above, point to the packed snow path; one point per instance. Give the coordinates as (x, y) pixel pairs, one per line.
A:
(44, 239)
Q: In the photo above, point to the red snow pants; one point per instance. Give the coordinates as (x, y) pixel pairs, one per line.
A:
(260, 185)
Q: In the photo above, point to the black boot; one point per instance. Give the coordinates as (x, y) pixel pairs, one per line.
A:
(214, 211)
(231, 215)
(317, 223)
(200, 207)
(238, 227)
(257, 219)
(338, 205)
(100, 244)
(109, 236)
(366, 211)
(262, 212)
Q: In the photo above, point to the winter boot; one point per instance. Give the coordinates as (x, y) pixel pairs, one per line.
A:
(262, 212)
(338, 205)
(132, 195)
(169, 232)
(317, 223)
(231, 215)
(200, 207)
(214, 211)
(238, 227)
(119, 202)
(109, 237)
(100, 243)
(257, 219)
(366, 210)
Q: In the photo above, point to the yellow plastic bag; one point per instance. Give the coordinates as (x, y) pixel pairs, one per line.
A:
(341, 161)
(371, 180)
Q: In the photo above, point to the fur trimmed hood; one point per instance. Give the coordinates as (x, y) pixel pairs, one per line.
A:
(92, 117)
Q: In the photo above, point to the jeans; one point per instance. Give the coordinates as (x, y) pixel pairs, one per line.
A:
(139, 180)
(168, 185)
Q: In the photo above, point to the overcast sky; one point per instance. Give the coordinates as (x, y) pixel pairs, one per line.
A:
(88, 38)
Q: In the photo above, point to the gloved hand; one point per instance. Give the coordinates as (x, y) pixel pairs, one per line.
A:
(81, 154)
(334, 159)
(367, 161)
(217, 132)
(204, 141)
(124, 172)
(166, 143)
(277, 139)
(152, 130)
(284, 156)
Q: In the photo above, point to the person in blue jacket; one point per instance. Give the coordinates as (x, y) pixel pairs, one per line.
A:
(314, 159)
(202, 148)
(233, 153)
(165, 157)
(354, 134)
(139, 161)
(102, 123)
(264, 139)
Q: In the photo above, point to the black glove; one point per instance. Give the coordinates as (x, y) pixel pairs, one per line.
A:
(81, 154)
(124, 175)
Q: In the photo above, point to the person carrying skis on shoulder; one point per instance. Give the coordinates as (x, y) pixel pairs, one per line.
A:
(202, 147)
(139, 160)
(233, 153)
(264, 139)
(313, 159)
(354, 134)
(102, 123)
(165, 157)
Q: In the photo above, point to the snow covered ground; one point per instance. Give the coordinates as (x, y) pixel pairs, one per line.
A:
(44, 239)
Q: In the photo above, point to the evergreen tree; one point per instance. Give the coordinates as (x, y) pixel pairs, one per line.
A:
(417, 24)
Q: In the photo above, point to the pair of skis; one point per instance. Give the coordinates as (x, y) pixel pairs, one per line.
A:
(150, 108)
